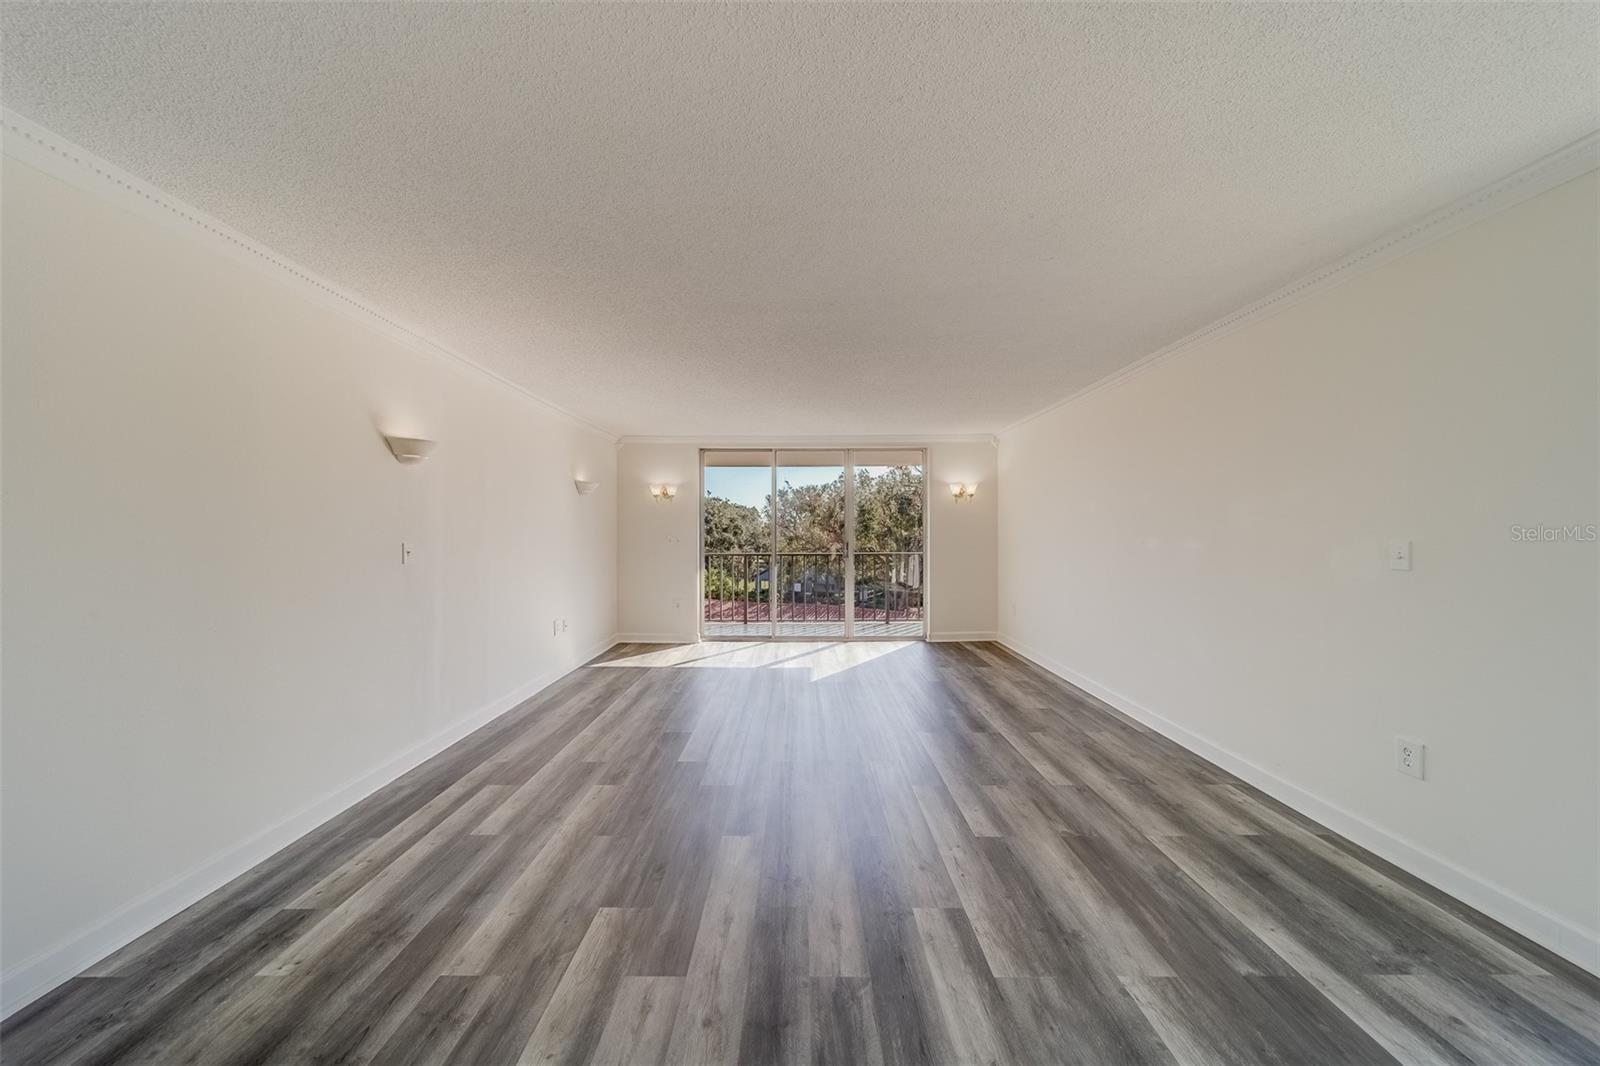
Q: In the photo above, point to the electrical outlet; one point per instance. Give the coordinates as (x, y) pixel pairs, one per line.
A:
(1400, 555)
(563, 625)
(1410, 756)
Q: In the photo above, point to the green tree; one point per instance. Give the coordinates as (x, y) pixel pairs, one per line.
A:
(811, 517)
(734, 527)
(889, 509)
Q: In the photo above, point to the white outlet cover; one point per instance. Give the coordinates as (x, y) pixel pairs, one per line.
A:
(1411, 757)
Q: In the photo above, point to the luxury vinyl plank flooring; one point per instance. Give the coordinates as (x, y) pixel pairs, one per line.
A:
(819, 853)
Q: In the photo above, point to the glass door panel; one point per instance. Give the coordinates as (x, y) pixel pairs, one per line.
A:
(888, 559)
(813, 543)
(811, 591)
(736, 542)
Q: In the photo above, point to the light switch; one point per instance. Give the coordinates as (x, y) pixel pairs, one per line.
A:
(1400, 555)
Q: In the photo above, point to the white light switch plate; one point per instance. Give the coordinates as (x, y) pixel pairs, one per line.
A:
(1400, 555)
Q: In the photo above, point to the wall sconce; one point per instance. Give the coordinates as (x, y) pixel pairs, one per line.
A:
(959, 491)
(584, 487)
(663, 493)
(410, 449)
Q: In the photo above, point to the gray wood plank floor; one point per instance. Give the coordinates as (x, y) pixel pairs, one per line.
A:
(867, 853)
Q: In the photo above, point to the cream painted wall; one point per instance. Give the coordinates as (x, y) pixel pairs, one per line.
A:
(658, 547)
(962, 541)
(1205, 544)
(209, 639)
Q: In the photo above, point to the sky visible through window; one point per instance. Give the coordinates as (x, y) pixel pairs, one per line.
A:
(751, 485)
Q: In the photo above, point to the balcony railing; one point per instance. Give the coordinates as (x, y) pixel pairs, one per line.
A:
(809, 589)
(888, 587)
(738, 587)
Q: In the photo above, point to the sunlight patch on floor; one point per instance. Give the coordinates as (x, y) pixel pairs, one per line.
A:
(822, 658)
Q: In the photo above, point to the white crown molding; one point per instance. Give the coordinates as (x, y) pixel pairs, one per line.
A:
(1540, 176)
(24, 140)
(830, 441)
(27, 141)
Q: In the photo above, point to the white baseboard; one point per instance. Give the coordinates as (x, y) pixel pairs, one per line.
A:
(1570, 941)
(657, 638)
(33, 977)
(945, 638)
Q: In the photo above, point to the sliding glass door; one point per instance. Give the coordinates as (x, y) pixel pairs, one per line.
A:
(887, 550)
(736, 543)
(813, 543)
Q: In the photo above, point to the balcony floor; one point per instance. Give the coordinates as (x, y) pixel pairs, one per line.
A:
(898, 630)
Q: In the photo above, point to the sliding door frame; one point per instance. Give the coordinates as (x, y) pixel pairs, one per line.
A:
(849, 545)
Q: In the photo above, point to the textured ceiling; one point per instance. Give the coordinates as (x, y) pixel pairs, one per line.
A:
(808, 220)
